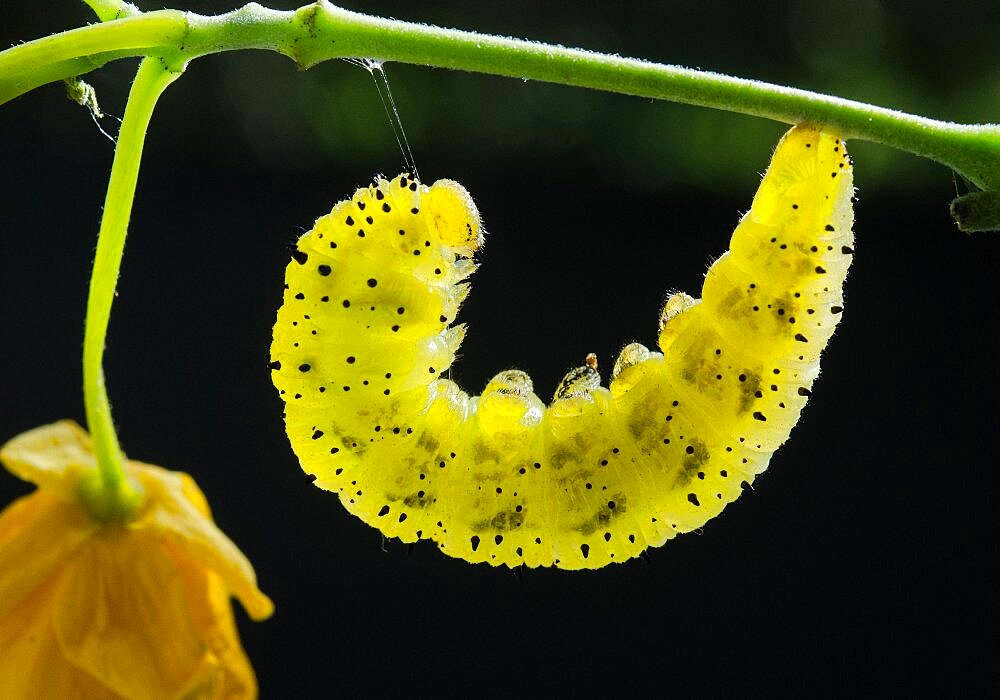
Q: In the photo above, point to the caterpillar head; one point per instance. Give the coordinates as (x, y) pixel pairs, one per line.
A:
(454, 216)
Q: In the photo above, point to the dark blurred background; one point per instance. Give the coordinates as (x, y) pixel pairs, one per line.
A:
(864, 558)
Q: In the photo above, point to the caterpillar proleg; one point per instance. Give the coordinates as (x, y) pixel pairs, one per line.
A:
(598, 475)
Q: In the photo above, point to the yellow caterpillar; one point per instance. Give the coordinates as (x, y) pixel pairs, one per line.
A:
(363, 338)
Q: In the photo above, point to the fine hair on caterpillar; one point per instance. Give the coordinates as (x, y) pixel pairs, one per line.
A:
(366, 333)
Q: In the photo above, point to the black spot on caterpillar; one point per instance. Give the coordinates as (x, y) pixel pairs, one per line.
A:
(600, 474)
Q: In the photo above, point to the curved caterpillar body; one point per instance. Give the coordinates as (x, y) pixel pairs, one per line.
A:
(363, 338)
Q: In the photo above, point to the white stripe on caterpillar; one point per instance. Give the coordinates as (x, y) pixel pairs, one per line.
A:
(363, 338)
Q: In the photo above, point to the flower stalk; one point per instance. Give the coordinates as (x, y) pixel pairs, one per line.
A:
(113, 496)
(322, 31)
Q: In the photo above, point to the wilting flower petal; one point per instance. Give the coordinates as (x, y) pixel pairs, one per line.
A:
(141, 609)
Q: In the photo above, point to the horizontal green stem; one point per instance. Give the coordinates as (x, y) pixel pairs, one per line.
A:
(137, 35)
(322, 31)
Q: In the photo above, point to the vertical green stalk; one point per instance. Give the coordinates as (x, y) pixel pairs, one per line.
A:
(113, 496)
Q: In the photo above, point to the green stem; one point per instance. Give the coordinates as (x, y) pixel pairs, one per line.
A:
(117, 498)
(107, 10)
(137, 36)
(322, 31)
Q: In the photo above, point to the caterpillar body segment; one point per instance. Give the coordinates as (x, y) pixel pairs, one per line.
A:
(365, 334)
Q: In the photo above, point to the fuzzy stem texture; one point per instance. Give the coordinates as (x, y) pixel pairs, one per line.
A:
(321, 31)
(115, 497)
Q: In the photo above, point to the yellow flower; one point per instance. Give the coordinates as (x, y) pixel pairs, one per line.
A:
(136, 610)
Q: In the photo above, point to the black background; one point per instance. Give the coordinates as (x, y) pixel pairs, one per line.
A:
(864, 557)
